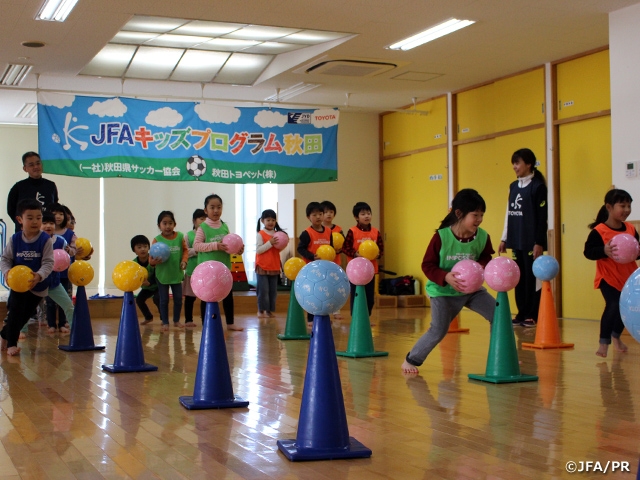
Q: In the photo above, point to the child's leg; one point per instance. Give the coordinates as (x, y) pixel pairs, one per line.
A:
(188, 308)
(203, 307)
(21, 307)
(273, 292)
(60, 297)
(352, 297)
(141, 302)
(262, 292)
(228, 307)
(483, 303)
(443, 311)
(369, 290)
(52, 311)
(176, 289)
(163, 292)
(42, 312)
(610, 322)
(68, 288)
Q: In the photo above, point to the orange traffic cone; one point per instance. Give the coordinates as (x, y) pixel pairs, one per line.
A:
(548, 330)
(454, 327)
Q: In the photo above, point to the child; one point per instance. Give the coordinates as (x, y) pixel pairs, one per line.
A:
(458, 237)
(327, 221)
(57, 296)
(525, 232)
(33, 248)
(313, 237)
(169, 274)
(140, 246)
(61, 219)
(189, 297)
(208, 244)
(355, 236)
(267, 263)
(610, 275)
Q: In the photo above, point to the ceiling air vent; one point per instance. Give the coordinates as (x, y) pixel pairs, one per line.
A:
(351, 68)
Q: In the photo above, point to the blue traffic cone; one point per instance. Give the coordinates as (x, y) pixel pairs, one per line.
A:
(323, 433)
(502, 361)
(213, 387)
(129, 354)
(81, 338)
(360, 342)
(296, 326)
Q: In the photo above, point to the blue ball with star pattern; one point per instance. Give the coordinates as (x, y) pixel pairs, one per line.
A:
(322, 287)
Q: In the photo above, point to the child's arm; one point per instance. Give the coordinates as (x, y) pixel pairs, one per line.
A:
(6, 261)
(199, 245)
(594, 247)
(431, 262)
(185, 253)
(347, 246)
(487, 253)
(261, 246)
(502, 248)
(46, 265)
(71, 247)
(303, 246)
(380, 244)
(152, 261)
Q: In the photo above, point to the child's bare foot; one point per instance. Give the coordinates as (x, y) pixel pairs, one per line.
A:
(619, 346)
(408, 368)
(13, 351)
(165, 327)
(602, 350)
(337, 316)
(22, 336)
(3, 344)
(178, 324)
(64, 329)
(190, 325)
(234, 328)
(262, 314)
(270, 315)
(51, 330)
(146, 322)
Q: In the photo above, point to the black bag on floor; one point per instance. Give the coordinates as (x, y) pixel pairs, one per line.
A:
(397, 286)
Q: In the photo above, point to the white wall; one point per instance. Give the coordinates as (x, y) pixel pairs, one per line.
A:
(624, 52)
(132, 206)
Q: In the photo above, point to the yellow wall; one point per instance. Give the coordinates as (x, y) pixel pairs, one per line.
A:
(585, 82)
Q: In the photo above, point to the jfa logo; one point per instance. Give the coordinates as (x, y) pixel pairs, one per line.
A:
(299, 117)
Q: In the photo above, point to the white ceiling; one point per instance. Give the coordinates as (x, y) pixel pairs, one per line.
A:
(508, 36)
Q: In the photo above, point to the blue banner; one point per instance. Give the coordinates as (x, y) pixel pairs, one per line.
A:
(183, 141)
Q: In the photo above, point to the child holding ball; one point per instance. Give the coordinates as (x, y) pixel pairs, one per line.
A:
(610, 275)
(169, 274)
(458, 237)
(208, 244)
(267, 263)
(189, 297)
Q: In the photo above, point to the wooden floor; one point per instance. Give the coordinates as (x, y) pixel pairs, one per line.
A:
(62, 417)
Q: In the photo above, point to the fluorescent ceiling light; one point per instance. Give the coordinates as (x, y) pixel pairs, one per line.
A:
(56, 10)
(178, 41)
(28, 110)
(312, 37)
(111, 61)
(209, 29)
(14, 74)
(133, 38)
(243, 68)
(297, 89)
(273, 47)
(153, 24)
(153, 63)
(199, 66)
(430, 34)
(257, 32)
(227, 44)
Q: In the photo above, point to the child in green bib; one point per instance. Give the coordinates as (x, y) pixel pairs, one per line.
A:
(169, 274)
(189, 297)
(208, 244)
(458, 238)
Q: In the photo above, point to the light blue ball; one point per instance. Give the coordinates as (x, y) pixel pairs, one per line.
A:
(630, 304)
(160, 251)
(322, 287)
(545, 268)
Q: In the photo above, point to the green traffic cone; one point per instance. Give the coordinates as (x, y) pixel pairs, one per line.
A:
(360, 339)
(296, 326)
(502, 361)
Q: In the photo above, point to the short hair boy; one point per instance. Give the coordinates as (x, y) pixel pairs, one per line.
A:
(32, 248)
(314, 236)
(140, 246)
(355, 236)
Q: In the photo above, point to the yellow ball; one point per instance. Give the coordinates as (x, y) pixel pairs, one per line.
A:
(18, 278)
(145, 273)
(338, 240)
(86, 248)
(292, 267)
(326, 252)
(128, 276)
(369, 250)
(80, 273)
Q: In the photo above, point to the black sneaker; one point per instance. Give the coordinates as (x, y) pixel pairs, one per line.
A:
(516, 323)
(529, 323)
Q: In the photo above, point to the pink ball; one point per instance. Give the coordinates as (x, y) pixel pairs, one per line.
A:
(61, 260)
(283, 240)
(471, 273)
(502, 274)
(625, 248)
(211, 281)
(233, 242)
(360, 271)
